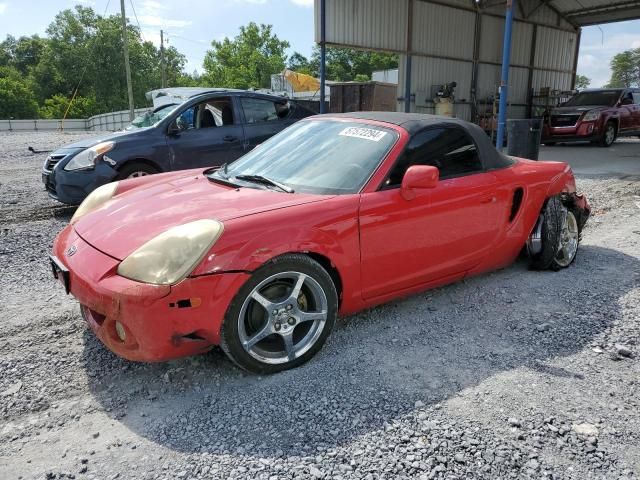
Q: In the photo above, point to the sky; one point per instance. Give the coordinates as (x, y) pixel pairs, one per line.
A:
(192, 24)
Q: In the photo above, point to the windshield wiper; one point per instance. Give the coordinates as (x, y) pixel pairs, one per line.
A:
(265, 181)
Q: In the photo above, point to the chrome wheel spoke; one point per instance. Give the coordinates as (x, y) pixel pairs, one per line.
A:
(289, 348)
(261, 335)
(267, 304)
(311, 316)
(295, 293)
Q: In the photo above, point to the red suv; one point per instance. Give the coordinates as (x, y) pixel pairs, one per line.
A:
(596, 115)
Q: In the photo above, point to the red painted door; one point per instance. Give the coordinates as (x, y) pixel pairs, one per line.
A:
(443, 231)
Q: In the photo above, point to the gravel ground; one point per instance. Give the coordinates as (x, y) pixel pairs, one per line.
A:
(514, 374)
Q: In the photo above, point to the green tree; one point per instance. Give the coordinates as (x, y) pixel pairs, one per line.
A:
(582, 81)
(247, 61)
(83, 50)
(23, 53)
(16, 99)
(300, 64)
(80, 107)
(625, 69)
(345, 64)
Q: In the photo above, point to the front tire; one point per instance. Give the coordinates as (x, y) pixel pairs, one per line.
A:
(609, 135)
(281, 316)
(558, 234)
(135, 170)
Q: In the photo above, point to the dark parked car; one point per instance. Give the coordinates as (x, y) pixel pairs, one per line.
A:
(209, 129)
(595, 115)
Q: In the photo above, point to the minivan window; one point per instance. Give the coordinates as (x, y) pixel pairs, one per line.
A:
(259, 110)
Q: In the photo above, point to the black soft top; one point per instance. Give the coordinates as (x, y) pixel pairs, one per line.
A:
(414, 122)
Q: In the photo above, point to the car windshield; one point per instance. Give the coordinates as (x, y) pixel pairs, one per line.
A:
(150, 118)
(606, 98)
(324, 157)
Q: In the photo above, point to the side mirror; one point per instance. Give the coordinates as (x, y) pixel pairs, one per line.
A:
(418, 177)
(173, 130)
(626, 101)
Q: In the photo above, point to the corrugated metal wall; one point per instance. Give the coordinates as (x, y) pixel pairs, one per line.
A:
(442, 46)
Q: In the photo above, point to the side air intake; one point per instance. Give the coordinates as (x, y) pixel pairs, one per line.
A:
(516, 203)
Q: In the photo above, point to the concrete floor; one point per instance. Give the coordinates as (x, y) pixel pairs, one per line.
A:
(621, 160)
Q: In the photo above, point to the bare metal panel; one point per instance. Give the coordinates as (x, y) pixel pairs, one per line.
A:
(426, 72)
(555, 80)
(555, 49)
(545, 16)
(492, 36)
(432, 32)
(489, 77)
(375, 24)
(518, 78)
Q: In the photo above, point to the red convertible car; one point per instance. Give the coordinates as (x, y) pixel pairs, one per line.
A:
(335, 214)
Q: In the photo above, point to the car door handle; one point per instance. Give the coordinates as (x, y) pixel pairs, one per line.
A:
(488, 200)
(230, 138)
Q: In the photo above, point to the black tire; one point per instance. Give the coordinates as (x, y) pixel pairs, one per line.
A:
(135, 169)
(231, 341)
(608, 135)
(552, 217)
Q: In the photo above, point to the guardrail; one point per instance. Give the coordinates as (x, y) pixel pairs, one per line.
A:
(106, 121)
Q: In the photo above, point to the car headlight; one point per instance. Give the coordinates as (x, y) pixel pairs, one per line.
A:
(95, 199)
(89, 157)
(591, 115)
(172, 255)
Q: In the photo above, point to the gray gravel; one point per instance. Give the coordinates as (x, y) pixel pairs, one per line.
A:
(514, 374)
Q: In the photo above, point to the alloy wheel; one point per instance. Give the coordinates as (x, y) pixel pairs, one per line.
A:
(569, 236)
(609, 134)
(282, 317)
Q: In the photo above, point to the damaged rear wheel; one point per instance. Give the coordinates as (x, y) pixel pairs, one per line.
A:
(553, 244)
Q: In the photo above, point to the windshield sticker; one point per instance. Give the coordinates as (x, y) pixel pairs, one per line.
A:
(361, 132)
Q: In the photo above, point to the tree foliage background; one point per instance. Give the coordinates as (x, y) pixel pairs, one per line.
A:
(83, 50)
(625, 69)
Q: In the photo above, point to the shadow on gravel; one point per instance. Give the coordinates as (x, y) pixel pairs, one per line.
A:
(376, 365)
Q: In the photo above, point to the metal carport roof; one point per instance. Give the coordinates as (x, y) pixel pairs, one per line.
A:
(581, 13)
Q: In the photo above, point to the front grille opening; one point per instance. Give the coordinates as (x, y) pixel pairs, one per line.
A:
(52, 161)
(516, 203)
(564, 120)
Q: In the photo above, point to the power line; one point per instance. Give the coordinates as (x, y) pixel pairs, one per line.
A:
(84, 70)
(137, 21)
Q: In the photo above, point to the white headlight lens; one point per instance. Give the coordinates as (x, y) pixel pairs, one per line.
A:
(592, 115)
(95, 199)
(172, 255)
(88, 158)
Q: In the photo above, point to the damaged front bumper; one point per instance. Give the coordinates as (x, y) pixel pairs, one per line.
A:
(139, 321)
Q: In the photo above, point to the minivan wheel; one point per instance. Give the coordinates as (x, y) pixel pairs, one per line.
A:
(135, 170)
(609, 135)
(281, 316)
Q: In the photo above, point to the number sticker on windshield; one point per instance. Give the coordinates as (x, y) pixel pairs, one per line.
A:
(362, 132)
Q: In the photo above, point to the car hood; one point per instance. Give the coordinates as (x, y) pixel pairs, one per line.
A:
(576, 110)
(90, 142)
(133, 218)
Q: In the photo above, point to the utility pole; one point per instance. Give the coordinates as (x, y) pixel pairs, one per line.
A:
(163, 67)
(127, 67)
